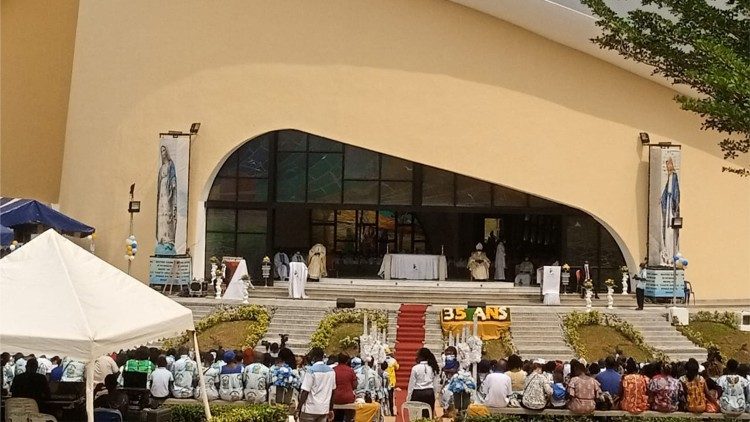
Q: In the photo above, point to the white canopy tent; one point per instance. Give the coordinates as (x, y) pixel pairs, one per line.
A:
(59, 299)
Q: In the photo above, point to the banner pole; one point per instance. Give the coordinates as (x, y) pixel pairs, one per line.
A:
(201, 378)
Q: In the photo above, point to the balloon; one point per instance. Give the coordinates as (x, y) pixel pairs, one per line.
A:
(676, 258)
(89, 237)
(129, 248)
(131, 257)
(684, 262)
(127, 241)
(134, 244)
(15, 242)
(134, 250)
(12, 247)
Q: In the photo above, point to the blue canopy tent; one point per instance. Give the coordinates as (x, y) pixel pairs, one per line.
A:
(15, 212)
(6, 235)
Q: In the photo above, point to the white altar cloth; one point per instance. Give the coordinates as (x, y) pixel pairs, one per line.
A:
(297, 280)
(413, 267)
(236, 287)
(550, 283)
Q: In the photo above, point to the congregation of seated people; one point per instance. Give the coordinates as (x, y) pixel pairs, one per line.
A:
(616, 383)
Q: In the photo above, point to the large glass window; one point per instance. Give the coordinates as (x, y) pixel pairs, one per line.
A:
(361, 204)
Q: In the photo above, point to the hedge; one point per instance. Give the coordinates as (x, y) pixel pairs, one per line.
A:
(334, 318)
(229, 413)
(255, 332)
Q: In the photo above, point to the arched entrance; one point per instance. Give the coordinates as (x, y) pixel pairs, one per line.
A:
(287, 190)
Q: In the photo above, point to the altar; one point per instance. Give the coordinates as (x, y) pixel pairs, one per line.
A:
(549, 282)
(413, 267)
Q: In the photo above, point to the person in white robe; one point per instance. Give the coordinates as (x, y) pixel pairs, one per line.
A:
(184, 371)
(479, 264)
(500, 262)
(524, 271)
(316, 262)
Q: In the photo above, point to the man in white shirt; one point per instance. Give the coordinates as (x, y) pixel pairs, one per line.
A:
(103, 366)
(161, 379)
(496, 388)
(316, 397)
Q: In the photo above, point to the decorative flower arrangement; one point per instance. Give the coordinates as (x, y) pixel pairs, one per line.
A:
(462, 382)
(588, 284)
(609, 282)
(566, 268)
(260, 314)
(283, 376)
(266, 260)
(624, 269)
(322, 335)
(214, 260)
(574, 320)
(348, 342)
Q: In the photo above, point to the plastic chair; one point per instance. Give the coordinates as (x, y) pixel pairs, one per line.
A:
(107, 415)
(414, 409)
(41, 417)
(15, 405)
(688, 292)
(17, 416)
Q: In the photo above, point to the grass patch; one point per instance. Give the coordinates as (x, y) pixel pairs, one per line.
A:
(347, 329)
(601, 341)
(496, 350)
(729, 340)
(228, 335)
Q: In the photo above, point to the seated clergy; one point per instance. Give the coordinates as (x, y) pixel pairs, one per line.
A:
(479, 264)
(316, 262)
(524, 271)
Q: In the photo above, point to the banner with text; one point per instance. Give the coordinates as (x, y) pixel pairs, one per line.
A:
(663, 204)
(172, 195)
(492, 321)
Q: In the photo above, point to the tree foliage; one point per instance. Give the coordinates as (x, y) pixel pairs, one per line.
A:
(704, 44)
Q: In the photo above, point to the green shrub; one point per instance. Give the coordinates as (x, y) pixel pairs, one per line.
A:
(229, 413)
(254, 333)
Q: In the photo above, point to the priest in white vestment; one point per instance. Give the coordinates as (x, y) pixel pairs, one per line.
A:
(479, 264)
(500, 262)
(316, 262)
(297, 280)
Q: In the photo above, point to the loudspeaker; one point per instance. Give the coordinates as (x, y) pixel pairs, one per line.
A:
(475, 304)
(343, 302)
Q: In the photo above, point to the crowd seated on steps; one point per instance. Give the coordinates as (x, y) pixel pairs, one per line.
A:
(617, 382)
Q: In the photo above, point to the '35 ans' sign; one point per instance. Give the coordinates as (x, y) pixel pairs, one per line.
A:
(487, 313)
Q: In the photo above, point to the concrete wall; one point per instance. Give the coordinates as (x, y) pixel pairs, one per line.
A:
(38, 37)
(426, 80)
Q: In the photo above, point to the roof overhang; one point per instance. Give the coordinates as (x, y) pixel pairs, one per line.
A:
(570, 23)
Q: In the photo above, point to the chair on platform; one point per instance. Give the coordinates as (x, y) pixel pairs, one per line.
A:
(16, 406)
(414, 409)
(107, 415)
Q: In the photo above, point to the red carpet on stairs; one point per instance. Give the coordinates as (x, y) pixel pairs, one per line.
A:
(410, 337)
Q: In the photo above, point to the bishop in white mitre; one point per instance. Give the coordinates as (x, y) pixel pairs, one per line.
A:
(479, 264)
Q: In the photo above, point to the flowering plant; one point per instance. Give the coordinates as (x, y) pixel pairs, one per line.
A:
(624, 269)
(566, 268)
(588, 284)
(214, 260)
(609, 282)
(283, 376)
(462, 382)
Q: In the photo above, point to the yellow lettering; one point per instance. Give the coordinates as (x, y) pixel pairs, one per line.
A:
(493, 313)
(460, 314)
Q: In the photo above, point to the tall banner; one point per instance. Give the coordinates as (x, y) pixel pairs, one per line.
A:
(172, 195)
(663, 204)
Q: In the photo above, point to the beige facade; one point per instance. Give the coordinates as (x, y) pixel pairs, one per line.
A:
(427, 80)
(37, 55)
